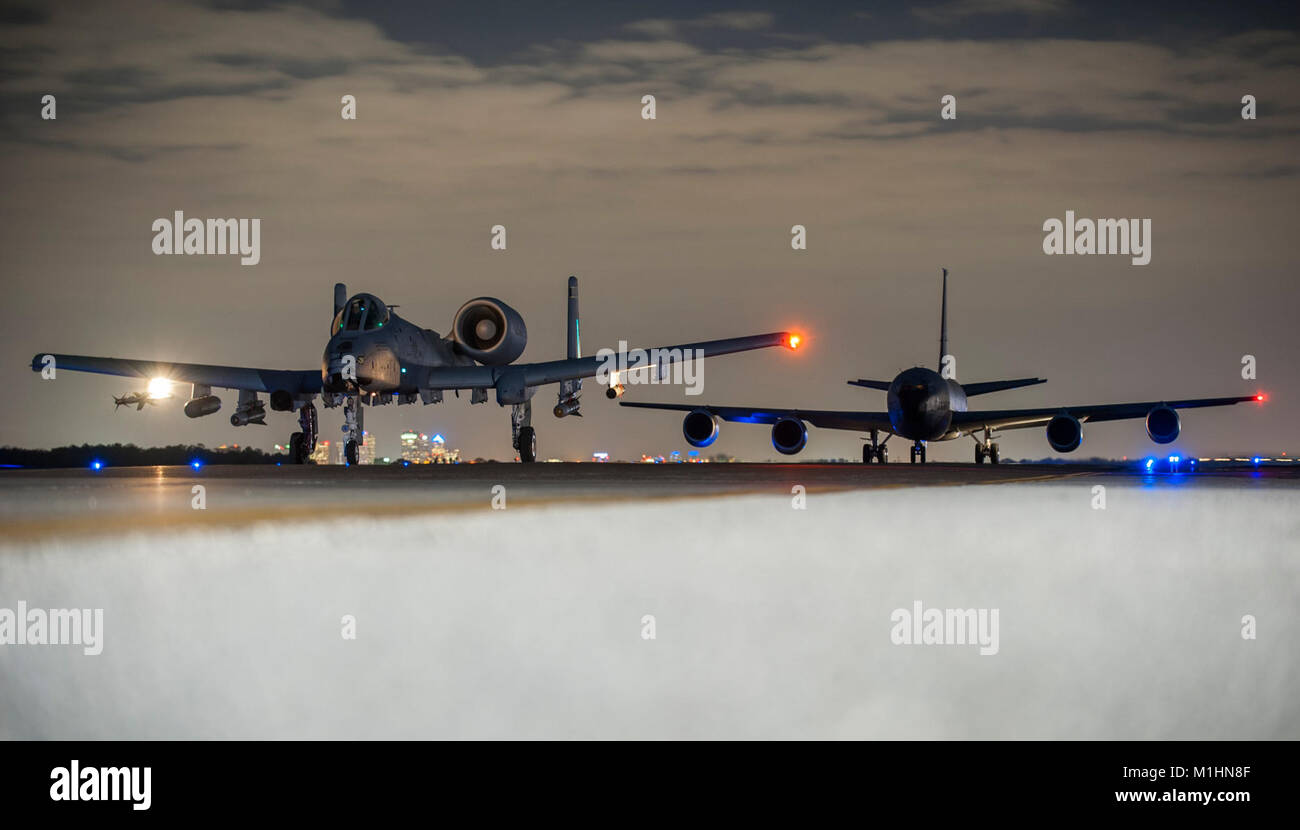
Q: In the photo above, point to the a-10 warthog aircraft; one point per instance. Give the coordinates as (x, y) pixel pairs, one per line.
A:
(375, 357)
(927, 405)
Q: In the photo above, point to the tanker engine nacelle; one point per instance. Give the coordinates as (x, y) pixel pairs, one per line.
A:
(489, 331)
(1163, 425)
(700, 428)
(1064, 433)
(789, 435)
(206, 405)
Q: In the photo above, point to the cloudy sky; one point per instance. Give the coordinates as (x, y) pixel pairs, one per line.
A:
(768, 115)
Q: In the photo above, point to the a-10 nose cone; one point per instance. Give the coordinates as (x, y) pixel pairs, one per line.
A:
(376, 370)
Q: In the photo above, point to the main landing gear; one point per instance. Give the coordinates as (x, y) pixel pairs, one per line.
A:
(986, 449)
(918, 451)
(303, 444)
(876, 450)
(522, 434)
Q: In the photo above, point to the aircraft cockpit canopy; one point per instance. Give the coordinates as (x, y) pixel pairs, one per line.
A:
(364, 312)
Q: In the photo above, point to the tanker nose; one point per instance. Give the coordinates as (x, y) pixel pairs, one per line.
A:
(913, 392)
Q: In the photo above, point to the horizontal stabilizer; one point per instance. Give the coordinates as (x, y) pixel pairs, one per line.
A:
(882, 385)
(999, 385)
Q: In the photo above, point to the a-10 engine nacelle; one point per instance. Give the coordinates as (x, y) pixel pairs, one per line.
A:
(205, 405)
(489, 331)
(789, 435)
(1064, 433)
(1163, 425)
(700, 428)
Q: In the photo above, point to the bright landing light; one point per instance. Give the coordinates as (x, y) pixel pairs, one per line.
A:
(160, 388)
(795, 340)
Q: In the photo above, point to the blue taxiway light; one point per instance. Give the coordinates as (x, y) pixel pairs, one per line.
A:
(96, 464)
(196, 463)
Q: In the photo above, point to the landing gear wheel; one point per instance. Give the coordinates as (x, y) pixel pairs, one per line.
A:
(350, 452)
(297, 451)
(922, 453)
(979, 454)
(993, 454)
(527, 445)
(913, 455)
(882, 454)
(867, 454)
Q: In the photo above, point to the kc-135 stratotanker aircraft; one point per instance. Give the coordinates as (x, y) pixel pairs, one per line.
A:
(925, 405)
(376, 357)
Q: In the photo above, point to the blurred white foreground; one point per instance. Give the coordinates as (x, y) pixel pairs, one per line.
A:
(771, 622)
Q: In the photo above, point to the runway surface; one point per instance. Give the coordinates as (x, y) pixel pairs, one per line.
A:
(36, 503)
(640, 601)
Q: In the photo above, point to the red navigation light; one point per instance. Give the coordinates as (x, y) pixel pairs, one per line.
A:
(794, 341)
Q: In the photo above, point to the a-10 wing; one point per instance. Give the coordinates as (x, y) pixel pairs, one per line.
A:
(824, 418)
(308, 381)
(1020, 418)
(299, 382)
(554, 371)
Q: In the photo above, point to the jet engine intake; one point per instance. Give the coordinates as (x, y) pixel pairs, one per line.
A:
(1064, 433)
(700, 428)
(789, 435)
(489, 331)
(1163, 425)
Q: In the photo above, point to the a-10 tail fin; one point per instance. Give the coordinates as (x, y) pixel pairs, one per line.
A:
(571, 327)
(569, 389)
(340, 298)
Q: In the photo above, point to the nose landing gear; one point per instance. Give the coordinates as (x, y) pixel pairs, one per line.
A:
(352, 427)
(918, 452)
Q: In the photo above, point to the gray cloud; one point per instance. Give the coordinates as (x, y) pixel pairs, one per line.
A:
(956, 11)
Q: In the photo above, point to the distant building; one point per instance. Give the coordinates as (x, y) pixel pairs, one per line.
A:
(366, 452)
(321, 455)
(420, 448)
(600, 457)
